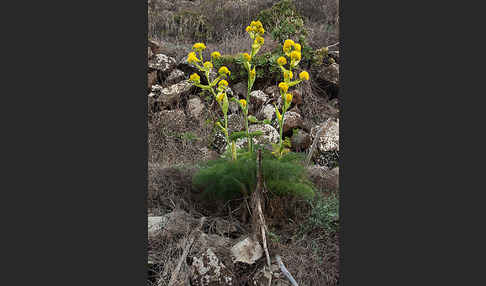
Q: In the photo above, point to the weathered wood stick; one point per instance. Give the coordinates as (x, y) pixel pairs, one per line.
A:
(319, 133)
(285, 271)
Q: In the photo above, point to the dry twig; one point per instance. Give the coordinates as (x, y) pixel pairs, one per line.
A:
(319, 133)
(192, 237)
(285, 271)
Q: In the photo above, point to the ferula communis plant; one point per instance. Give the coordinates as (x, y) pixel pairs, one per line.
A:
(255, 30)
(219, 81)
(293, 52)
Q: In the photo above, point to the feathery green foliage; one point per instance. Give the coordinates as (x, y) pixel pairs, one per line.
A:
(228, 179)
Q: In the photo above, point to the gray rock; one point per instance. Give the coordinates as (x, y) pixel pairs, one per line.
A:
(329, 74)
(171, 95)
(162, 63)
(247, 251)
(208, 266)
(270, 135)
(300, 140)
(240, 89)
(266, 112)
(323, 178)
(329, 141)
(258, 98)
(195, 107)
(236, 122)
(292, 120)
(175, 76)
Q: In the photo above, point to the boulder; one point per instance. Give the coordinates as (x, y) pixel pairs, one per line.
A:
(174, 77)
(266, 112)
(175, 223)
(247, 251)
(207, 269)
(296, 97)
(324, 178)
(292, 120)
(240, 89)
(236, 122)
(300, 140)
(211, 263)
(257, 99)
(162, 63)
(329, 140)
(195, 107)
(329, 74)
(154, 46)
(273, 91)
(171, 96)
(270, 134)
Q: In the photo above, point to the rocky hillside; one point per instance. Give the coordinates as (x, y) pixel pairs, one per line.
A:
(196, 242)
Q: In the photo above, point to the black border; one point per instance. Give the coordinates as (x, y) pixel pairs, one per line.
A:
(76, 145)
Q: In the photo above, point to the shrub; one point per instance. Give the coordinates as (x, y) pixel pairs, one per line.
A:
(229, 179)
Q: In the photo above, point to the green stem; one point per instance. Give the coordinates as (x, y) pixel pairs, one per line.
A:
(250, 142)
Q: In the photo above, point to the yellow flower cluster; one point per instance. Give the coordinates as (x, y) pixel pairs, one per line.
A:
(243, 102)
(253, 74)
(295, 56)
(256, 27)
(224, 71)
(195, 78)
(192, 58)
(215, 55)
(208, 65)
(247, 57)
(288, 98)
(287, 46)
(304, 75)
(283, 87)
(281, 61)
(259, 40)
(223, 83)
(199, 47)
(220, 97)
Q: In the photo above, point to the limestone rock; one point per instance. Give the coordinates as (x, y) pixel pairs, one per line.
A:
(323, 178)
(175, 76)
(329, 141)
(300, 140)
(171, 95)
(258, 98)
(329, 74)
(247, 251)
(162, 63)
(195, 107)
(267, 112)
(292, 120)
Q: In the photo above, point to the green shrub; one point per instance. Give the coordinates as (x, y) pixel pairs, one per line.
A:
(229, 179)
(284, 22)
(325, 214)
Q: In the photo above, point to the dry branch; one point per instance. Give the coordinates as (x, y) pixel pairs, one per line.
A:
(188, 244)
(285, 271)
(319, 133)
(258, 219)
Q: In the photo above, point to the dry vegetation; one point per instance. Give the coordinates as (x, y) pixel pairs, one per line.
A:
(178, 143)
(221, 22)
